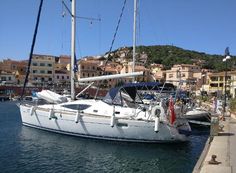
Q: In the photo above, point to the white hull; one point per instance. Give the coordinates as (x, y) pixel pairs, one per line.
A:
(99, 127)
(197, 115)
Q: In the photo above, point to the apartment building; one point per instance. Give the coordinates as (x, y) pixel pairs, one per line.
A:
(189, 75)
(18, 68)
(128, 68)
(21, 72)
(93, 66)
(9, 65)
(216, 83)
(42, 70)
(7, 78)
(232, 83)
(110, 69)
(62, 62)
(61, 77)
(157, 72)
(88, 67)
(12, 65)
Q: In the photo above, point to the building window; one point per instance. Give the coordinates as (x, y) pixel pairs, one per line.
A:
(42, 64)
(214, 78)
(9, 78)
(35, 64)
(58, 77)
(82, 67)
(170, 75)
(49, 72)
(34, 71)
(42, 71)
(3, 78)
(62, 77)
(49, 65)
(67, 77)
(50, 79)
(214, 85)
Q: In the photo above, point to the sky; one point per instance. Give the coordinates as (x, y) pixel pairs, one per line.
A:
(202, 25)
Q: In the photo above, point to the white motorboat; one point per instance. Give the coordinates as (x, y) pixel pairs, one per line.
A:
(198, 114)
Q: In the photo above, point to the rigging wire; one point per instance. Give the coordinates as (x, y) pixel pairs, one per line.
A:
(112, 43)
(80, 17)
(91, 19)
(32, 48)
(99, 36)
(63, 14)
(114, 36)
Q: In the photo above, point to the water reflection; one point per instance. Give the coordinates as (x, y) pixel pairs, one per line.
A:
(47, 149)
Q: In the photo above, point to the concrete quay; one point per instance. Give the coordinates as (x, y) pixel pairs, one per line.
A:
(223, 146)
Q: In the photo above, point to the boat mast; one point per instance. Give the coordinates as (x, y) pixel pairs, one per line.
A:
(134, 36)
(72, 65)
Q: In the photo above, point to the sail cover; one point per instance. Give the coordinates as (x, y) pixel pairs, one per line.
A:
(51, 97)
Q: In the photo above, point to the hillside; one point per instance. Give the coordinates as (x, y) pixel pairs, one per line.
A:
(170, 55)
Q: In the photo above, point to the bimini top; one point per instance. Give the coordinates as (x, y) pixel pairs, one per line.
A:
(122, 95)
(127, 93)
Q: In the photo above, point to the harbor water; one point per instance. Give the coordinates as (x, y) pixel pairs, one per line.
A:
(24, 149)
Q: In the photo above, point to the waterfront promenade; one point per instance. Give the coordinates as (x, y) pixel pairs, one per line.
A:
(223, 146)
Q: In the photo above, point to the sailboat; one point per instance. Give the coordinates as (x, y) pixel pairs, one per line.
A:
(119, 116)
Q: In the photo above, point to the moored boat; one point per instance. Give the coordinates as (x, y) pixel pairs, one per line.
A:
(119, 116)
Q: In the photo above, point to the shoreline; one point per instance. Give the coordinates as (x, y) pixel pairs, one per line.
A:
(221, 146)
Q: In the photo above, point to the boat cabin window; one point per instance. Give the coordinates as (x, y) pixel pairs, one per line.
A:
(77, 106)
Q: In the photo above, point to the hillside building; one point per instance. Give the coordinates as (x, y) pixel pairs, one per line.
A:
(189, 77)
(42, 70)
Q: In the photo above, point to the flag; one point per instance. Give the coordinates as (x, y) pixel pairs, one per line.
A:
(75, 65)
(172, 111)
(227, 51)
